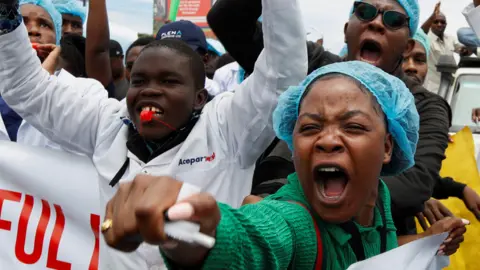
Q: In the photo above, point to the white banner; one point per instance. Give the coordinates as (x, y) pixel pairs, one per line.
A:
(49, 210)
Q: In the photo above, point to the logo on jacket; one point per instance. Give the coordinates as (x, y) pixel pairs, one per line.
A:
(191, 161)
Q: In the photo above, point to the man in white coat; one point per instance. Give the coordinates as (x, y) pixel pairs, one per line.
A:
(212, 148)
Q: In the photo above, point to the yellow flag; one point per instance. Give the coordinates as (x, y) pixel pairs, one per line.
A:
(460, 164)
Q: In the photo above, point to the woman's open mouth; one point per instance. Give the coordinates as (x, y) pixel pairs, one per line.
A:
(370, 51)
(332, 182)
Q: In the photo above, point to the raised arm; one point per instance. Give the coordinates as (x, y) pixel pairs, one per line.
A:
(235, 23)
(58, 110)
(245, 117)
(428, 23)
(97, 53)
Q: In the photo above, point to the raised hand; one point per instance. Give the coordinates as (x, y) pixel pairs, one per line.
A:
(437, 11)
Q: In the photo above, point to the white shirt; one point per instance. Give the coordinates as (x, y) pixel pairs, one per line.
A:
(227, 77)
(236, 127)
(212, 87)
(438, 48)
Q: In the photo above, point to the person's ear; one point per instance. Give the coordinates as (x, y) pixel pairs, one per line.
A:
(201, 98)
(409, 48)
(205, 58)
(345, 32)
(388, 148)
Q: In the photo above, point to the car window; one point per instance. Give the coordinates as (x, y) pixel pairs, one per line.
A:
(465, 98)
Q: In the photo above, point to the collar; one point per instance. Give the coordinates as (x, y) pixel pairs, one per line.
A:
(147, 150)
(437, 38)
(342, 238)
(293, 192)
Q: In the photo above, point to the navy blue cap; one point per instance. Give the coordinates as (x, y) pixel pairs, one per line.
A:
(187, 31)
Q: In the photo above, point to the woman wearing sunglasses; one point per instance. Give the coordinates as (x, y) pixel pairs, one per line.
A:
(378, 32)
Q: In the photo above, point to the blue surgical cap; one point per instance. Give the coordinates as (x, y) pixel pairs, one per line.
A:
(50, 8)
(422, 38)
(72, 7)
(395, 99)
(413, 11)
(215, 46)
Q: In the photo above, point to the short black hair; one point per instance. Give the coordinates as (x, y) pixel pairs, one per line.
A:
(197, 67)
(73, 52)
(142, 41)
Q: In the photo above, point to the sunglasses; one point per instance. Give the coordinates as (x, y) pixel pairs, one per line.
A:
(393, 20)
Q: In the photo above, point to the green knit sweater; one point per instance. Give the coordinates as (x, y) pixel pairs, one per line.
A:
(278, 234)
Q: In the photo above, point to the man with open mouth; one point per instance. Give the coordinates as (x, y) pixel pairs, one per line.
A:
(378, 32)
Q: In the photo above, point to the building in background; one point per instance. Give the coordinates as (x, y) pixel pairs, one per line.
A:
(191, 10)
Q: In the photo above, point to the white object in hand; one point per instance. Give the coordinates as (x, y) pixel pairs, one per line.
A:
(188, 232)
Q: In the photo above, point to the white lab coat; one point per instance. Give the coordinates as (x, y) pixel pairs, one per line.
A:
(28, 135)
(227, 77)
(236, 127)
(212, 87)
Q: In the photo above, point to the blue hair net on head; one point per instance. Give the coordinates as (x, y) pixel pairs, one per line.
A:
(215, 46)
(422, 38)
(50, 8)
(72, 7)
(395, 99)
(413, 11)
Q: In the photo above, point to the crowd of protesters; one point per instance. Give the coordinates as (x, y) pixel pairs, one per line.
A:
(289, 156)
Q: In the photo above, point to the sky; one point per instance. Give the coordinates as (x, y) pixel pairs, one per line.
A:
(128, 17)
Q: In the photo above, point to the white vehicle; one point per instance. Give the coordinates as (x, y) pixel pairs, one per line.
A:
(460, 86)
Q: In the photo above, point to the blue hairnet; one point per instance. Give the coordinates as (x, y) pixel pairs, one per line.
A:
(72, 7)
(394, 98)
(215, 46)
(413, 11)
(421, 37)
(50, 8)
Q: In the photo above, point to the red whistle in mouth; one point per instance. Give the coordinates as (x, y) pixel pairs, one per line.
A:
(35, 46)
(146, 116)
